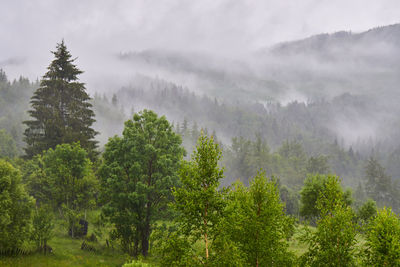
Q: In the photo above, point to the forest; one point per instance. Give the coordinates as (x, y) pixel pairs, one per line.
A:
(199, 133)
(88, 181)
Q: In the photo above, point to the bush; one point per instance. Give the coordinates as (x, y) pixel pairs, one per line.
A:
(16, 209)
(169, 248)
(383, 240)
(333, 242)
(42, 228)
(137, 263)
(366, 212)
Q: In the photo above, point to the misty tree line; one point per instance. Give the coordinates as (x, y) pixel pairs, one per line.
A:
(181, 210)
(294, 122)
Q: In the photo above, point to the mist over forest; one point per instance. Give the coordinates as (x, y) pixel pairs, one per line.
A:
(288, 89)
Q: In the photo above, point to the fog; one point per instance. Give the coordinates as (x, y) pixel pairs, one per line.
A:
(231, 50)
(95, 30)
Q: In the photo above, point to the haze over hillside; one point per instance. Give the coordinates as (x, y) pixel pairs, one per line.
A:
(340, 85)
(322, 67)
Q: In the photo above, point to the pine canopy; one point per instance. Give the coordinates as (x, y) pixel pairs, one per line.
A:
(61, 111)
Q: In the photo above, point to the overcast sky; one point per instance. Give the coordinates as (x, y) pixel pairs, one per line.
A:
(95, 30)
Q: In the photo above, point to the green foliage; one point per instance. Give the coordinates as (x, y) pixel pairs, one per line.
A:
(16, 209)
(137, 263)
(333, 242)
(170, 248)
(294, 161)
(137, 175)
(238, 159)
(63, 178)
(66, 252)
(378, 184)
(61, 111)
(366, 212)
(317, 165)
(198, 200)
(43, 224)
(245, 157)
(14, 102)
(291, 198)
(255, 228)
(8, 147)
(383, 240)
(313, 186)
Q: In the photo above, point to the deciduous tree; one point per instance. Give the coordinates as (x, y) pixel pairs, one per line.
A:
(333, 242)
(198, 200)
(63, 178)
(16, 209)
(383, 240)
(137, 175)
(255, 224)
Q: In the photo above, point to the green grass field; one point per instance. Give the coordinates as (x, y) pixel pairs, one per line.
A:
(67, 252)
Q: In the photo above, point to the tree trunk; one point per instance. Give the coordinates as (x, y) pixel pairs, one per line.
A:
(146, 232)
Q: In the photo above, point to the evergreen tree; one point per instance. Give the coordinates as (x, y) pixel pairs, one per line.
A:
(378, 183)
(61, 112)
(7, 145)
(318, 165)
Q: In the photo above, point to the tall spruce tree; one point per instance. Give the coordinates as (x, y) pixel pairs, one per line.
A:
(61, 111)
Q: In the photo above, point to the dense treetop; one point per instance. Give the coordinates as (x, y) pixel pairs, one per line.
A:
(61, 109)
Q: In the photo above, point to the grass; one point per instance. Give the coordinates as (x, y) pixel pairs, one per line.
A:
(67, 252)
(295, 246)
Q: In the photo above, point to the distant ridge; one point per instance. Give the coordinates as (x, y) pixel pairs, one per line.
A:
(322, 43)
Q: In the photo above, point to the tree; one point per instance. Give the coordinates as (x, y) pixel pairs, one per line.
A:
(7, 145)
(255, 222)
(291, 199)
(42, 227)
(333, 242)
(311, 191)
(63, 178)
(172, 248)
(198, 200)
(16, 209)
(293, 160)
(61, 111)
(317, 165)
(259, 156)
(383, 240)
(137, 175)
(366, 212)
(237, 158)
(114, 100)
(378, 184)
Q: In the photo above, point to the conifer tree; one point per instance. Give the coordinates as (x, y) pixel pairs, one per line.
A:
(61, 111)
